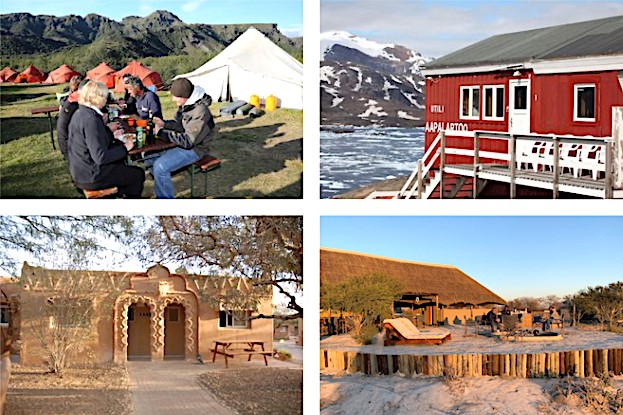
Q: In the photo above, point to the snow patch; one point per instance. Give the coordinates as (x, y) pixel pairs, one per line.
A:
(369, 47)
(372, 110)
(386, 87)
(412, 99)
(405, 116)
(359, 78)
(326, 72)
(336, 101)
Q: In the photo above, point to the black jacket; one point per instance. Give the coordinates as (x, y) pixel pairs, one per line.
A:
(92, 150)
(62, 126)
(193, 126)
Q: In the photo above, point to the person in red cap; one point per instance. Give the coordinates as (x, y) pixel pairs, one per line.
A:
(191, 131)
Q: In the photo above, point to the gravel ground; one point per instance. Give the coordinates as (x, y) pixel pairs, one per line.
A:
(78, 392)
(258, 391)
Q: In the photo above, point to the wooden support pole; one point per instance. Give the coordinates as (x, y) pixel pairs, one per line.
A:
(556, 171)
(476, 163)
(420, 180)
(609, 165)
(442, 164)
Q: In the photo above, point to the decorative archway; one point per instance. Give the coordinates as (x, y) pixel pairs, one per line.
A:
(157, 304)
(122, 306)
(189, 301)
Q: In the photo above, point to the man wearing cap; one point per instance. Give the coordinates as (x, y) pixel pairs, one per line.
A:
(191, 130)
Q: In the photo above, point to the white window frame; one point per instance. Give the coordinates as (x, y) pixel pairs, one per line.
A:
(575, 102)
(470, 116)
(247, 322)
(494, 106)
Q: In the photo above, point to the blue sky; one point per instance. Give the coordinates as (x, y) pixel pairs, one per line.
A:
(288, 14)
(513, 256)
(438, 27)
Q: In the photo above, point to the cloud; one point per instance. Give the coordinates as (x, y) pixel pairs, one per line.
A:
(436, 28)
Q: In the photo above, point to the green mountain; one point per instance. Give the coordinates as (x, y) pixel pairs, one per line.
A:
(159, 39)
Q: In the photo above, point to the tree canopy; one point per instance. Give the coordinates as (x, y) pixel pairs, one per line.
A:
(268, 250)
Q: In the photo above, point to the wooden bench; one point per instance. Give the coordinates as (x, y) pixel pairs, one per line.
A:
(231, 353)
(99, 194)
(203, 165)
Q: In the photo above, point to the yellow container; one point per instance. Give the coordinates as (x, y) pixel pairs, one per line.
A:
(255, 101)
(271, 103)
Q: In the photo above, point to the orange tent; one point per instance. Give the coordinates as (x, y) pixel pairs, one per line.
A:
(145, 74)
(61, 75)
(8, 74)
(102, 73)
(30, 75)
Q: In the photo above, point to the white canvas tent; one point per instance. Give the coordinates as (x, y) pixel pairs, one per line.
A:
(251, 65)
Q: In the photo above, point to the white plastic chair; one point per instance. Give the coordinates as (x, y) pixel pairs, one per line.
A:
(592, 158)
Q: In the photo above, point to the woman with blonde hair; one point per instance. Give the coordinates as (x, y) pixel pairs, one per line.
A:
(95, 160)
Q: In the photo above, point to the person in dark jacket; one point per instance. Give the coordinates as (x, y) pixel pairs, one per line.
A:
(191, 130)
(96, 160)
(128, 100)
(146, 100)
(493, 319)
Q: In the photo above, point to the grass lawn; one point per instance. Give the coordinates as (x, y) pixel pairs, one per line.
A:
(261, 157)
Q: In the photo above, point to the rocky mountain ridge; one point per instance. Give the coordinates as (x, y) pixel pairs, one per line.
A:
(159, 34)
(363, 83)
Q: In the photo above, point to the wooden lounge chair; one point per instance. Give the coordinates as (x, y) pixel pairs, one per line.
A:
(403, 331)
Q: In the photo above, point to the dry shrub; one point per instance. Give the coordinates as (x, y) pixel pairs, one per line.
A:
(594, 395)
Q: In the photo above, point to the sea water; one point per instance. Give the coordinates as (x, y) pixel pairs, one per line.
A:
(355, 157)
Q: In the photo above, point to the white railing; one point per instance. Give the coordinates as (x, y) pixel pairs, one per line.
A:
(423, 168)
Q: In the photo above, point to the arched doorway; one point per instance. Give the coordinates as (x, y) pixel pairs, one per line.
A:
(139, 332)
(174, 333)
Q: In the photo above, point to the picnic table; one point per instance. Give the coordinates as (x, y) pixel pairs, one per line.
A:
(157, 145)
(228, 351)
(47, 110)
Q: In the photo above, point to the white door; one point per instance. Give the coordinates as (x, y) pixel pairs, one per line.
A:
(519, 106)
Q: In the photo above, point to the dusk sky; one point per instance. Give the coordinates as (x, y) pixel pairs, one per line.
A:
(437, 27)
(288, 14)
(513, 256)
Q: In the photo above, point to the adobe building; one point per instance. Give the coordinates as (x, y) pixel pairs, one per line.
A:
(432, 293)
(152, 315)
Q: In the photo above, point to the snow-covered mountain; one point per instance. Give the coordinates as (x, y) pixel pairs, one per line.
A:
(363, 82)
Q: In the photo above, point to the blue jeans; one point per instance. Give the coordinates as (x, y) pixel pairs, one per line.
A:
(166, 162)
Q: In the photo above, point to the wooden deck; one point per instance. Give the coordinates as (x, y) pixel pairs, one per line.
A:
(584, 185)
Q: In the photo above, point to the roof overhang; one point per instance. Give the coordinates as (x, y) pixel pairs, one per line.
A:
(541, 67)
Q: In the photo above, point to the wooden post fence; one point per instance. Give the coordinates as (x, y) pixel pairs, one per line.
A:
(578, 363)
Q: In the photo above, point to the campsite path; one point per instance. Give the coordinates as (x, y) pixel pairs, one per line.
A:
(171, 387)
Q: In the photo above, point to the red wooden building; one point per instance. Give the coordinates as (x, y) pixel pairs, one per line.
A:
(537, 113)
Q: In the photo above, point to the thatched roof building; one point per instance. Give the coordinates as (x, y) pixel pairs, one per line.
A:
(452, 286)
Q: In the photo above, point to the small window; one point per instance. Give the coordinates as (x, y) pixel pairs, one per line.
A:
(235, 319)
(584, 102)
(521, 97)
(5, 314)
(493, 102)
(174, 314)
(470, 102)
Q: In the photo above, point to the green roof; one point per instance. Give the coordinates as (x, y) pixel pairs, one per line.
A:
(600, 37)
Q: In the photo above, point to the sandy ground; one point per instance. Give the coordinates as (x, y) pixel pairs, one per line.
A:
(424, 395)
(78, 392)
(574, 339)
(258, 390)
